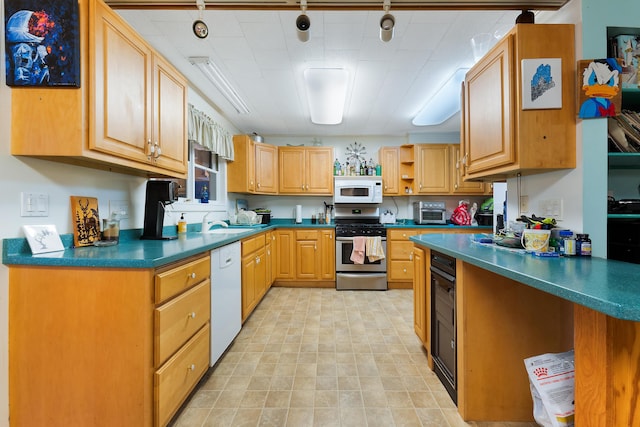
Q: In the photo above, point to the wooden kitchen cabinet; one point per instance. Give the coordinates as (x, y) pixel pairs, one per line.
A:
(459, 185)
(254, 169)
(285, 255)
(500, 137)
(327, 254)
(420, 323)
(305, 170)
(306, 257)
(129, 115)
(390, 161)
(122, 341)
(433, 169)
(400, 257)
(254, 273)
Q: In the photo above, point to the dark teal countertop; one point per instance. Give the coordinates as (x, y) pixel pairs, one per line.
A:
(608, 286)
(131, 252)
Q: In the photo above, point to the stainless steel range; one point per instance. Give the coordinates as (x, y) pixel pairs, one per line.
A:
(359, 221)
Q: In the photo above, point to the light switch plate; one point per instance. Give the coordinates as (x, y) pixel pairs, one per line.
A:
(34, 204)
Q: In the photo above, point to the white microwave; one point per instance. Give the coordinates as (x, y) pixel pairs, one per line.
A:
(357, 189)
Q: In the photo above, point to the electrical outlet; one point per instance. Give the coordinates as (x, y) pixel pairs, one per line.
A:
(120, 208)
(524, 204)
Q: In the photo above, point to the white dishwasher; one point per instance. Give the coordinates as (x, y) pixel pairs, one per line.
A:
(226, 298)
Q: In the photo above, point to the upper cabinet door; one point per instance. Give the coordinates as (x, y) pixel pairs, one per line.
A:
(433, 168)
(266, 162)
(319, 170)
(170, 126)
(488, 114)
(121, 88)
(390, 162)
(291, 169)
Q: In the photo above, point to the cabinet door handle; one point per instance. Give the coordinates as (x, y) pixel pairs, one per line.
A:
(307, 187)
(257, 260)
(302, 187)
(315, 247)
(411, 256)
(192, 315)
(191, 367)
(258, 184)
(158, 150)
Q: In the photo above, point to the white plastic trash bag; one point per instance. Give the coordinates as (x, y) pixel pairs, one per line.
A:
(551, 377)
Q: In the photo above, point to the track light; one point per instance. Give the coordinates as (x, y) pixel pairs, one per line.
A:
(387, 23)
(200, 29)
(303, 23)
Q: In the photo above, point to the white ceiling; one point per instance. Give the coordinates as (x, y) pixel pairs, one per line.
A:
(259, 53)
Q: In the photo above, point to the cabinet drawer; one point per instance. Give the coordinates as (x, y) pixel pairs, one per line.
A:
(401, 234)
(179, 375)
(307, 234)
(177, 320)
(252, 244)
(401, 250)
(400, 271)
(171, 282)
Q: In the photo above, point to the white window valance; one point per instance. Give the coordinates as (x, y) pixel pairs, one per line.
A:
(206, 132)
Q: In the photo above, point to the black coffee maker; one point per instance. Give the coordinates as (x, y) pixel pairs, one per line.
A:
(159, 194)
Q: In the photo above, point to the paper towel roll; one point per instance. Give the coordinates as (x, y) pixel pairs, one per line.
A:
(298, 214)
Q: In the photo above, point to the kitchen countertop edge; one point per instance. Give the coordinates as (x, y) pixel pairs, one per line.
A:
(131, 252)
(608, 286)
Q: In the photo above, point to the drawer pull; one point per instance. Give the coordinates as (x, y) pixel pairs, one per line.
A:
(192, 315)
(192, 275)
(404, 270)
(192, 367)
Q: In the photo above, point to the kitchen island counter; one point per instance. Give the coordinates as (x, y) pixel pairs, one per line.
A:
(608, 286)
(511, 305)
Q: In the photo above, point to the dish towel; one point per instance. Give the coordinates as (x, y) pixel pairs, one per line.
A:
(357, 254)
(373, 248)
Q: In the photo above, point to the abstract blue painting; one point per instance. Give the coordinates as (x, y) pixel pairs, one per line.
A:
(541, 83)
(42, 40)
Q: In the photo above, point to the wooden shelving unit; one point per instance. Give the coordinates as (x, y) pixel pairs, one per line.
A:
(407, 167)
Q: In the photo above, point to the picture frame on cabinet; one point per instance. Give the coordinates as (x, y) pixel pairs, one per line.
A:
(541, 83)
(42, 43)
(599, 88)
(43, 238)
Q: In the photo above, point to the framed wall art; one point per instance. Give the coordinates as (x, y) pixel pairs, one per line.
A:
(541, 83)
(599, 88)
(42, 40)
(85, 220)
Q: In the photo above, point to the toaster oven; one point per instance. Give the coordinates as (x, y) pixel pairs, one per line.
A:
(429, 213)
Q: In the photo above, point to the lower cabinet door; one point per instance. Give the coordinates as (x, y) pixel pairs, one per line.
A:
(176, 378)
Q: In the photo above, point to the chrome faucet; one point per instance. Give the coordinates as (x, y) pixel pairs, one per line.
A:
(206, 225)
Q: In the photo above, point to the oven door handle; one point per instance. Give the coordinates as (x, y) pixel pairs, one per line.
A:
(350, 239)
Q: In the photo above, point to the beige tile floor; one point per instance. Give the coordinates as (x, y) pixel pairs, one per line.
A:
(321, 357)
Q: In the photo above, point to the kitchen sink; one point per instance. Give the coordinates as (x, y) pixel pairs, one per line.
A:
(228, 230)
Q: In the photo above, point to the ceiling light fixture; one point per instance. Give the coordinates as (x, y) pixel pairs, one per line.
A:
(326, 94)
(444, 104)
(387, 22)
(303, 23)
(212, 72)
(200, 29)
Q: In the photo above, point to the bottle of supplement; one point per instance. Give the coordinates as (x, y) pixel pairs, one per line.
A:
(182, 225)
(583, 245)
(568, 243)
